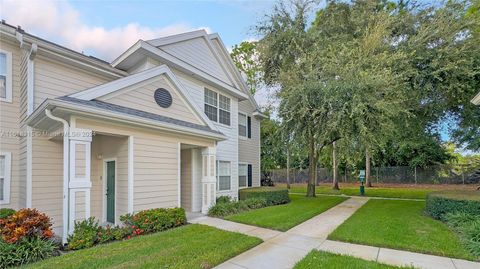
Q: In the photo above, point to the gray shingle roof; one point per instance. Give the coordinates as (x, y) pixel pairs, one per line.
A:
(135, 112)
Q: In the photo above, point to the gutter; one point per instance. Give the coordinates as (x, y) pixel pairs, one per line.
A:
(66, 170)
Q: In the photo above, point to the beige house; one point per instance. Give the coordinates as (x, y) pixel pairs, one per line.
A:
(169, 123)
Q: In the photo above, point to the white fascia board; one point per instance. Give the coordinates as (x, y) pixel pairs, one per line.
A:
(127, 53)
(162, 41)
(476, 99)
(54, 104)
(175, 62)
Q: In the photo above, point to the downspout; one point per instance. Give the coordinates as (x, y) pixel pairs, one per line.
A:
(66, 170)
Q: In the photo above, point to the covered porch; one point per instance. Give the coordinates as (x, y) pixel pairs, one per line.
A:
(111, 168)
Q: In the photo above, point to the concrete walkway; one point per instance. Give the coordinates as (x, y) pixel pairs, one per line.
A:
(284, 250)
(396, 257)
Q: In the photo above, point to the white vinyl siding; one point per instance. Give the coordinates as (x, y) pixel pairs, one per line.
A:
(5, 76)
(224, 176)
(5, 178)
(217, 107)
(242, 175)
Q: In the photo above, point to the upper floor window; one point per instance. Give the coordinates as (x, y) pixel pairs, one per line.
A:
(5, 76)
(244, 125)
(5, 166)
(217, 107)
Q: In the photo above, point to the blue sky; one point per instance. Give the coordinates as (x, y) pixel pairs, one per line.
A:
(231, 19)
(106, 28)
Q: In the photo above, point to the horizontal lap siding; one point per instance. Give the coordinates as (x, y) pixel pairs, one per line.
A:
(10, 125)
(227, 150)
(155, 170)
(186, 176)
(249, 149)
(197, 53)
(142, 98)
(54, 79)
(47, 179)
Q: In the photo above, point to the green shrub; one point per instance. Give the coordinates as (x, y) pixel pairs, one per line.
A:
(272, 196)
(223, 199)
(441, 203)
(6, 212)
(84, 234)
(233, 207)
(155, 220)
(468, 226)
(26, 250)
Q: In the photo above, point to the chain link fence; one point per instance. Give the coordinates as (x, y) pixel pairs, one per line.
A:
(437, 174)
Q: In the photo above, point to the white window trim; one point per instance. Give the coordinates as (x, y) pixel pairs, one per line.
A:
(218, 179)
(8, 82)
(246, 179)
(8, 177)
(246, 126)
(217, 107)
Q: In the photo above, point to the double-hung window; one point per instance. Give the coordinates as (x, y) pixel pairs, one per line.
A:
(242, 175)
(5, 76)
(242, 124)
(217, 107)
(5, 166)
(223, 176)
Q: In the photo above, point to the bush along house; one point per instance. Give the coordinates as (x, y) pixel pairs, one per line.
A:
(169, 123)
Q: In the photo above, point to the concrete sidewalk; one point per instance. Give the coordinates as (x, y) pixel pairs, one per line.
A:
(286, 249)
(396, 257)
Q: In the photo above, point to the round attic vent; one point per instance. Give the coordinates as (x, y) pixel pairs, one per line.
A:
(163, 97)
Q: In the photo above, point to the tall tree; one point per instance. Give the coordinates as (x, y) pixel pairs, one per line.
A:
(245, 57)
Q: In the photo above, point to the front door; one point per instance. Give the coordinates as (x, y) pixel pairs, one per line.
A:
(111, 191)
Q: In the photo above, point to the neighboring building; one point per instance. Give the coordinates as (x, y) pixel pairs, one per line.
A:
(476, 99)
(169, 123)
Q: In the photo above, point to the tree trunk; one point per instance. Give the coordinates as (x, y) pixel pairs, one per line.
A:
(312, 165)
(334, 165)
(288, 168)
(367, 169)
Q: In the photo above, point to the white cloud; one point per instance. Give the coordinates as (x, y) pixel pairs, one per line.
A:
(60, 22)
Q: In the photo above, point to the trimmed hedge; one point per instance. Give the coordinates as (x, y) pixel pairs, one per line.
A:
(272, 196)
(225, 207)
(441, 203)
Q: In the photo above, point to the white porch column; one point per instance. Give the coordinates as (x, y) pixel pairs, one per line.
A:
(209, 180)
(79, 183)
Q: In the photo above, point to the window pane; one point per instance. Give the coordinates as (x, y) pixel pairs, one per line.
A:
(242, 181)
(224, 103)
(224, 117)
(242, 169)
(223, 183)
(211, 112)
(242, 124)
(3, 64)
(223, 175)
(2, 182)
(3, 86)
(210, 97)
(2, 166)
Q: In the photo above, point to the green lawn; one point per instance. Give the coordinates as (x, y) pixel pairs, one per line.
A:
(284, 217)
(190, 246)
(319, 259)
(407, 193)
(400, 225)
